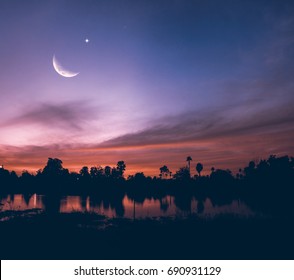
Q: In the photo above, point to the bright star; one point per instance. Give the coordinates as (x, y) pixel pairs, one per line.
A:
(87, 40)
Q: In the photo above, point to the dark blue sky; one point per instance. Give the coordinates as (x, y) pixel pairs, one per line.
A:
(158, 80)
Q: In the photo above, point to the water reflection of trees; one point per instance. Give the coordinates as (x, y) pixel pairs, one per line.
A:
(164, 204)
(51, 203)
(114, 205)
(108, 201)
(27, 198)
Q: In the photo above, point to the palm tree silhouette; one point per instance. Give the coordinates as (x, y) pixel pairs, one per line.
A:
(189, 159)
(164, 171)
(199, 168)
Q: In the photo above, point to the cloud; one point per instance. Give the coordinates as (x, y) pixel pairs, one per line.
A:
(71, 115)
(227, 121)
(217, 137)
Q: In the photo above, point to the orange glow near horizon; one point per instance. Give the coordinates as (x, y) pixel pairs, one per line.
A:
(223, 153)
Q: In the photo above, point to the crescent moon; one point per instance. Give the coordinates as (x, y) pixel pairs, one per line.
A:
(61, 70)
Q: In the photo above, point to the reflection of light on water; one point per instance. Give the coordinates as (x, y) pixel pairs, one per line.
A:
(35, 200)
(236, 207)
(88, 203)
(166, 207)
(149, 208)
(70, 204)
(18, 202)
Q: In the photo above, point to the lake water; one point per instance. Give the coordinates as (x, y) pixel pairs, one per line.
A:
(127, 208)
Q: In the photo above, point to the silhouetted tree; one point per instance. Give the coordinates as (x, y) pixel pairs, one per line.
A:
(26, 178)
(54, 168)
(222, 176)
(26, 174)
(121, 167)
(96, 172)
(107, 171)
(280, 165)
(5, 178)
(4, 174)
(189, 159)
(13, 175)
(262, 166)
(115, 173)
(74, 176)
(164, 171)
(249, 171)
(84, 172)
(139, 176)
(199, 168)
(182, 174)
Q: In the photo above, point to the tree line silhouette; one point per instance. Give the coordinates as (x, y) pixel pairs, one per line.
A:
(266, 185)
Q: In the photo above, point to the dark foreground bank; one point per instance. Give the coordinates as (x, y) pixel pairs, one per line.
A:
(33, 234)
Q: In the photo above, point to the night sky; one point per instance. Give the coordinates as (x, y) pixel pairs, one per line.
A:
(158, 81)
